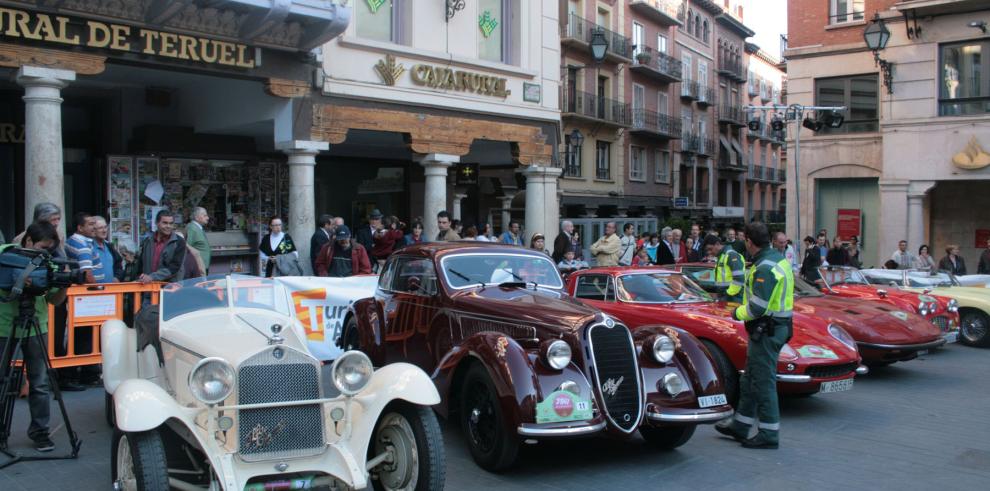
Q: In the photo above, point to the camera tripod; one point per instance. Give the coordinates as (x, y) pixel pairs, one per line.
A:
(11, 378)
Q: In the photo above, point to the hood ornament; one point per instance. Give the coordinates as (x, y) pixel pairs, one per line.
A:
(276, 338)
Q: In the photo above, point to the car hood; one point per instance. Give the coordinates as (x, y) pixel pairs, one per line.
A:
(970, 296)
(870, 322)
(217, 333)
(542, 308)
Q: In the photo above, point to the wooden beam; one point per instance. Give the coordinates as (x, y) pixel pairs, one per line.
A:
(16, 56)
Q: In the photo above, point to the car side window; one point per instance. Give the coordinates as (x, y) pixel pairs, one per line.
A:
(595, 287)
(414, 275)
(385, 279)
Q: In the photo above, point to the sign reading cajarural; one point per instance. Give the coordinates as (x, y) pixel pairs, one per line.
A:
(117, 37)
(439, 77)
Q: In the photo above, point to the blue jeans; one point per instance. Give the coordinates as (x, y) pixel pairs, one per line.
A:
(33, 349)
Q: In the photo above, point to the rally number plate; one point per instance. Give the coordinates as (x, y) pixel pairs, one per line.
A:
(837, 385)
(715, 400)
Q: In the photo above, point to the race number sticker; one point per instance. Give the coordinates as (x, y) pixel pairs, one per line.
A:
(563, 406)
(810, 351)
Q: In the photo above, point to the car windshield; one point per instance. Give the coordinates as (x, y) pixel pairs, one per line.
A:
(704, 277)
(476, 269)
(886, 277)
(921, 279)
(660, 288)
(834, 276)
(220, 292)
(804, 289)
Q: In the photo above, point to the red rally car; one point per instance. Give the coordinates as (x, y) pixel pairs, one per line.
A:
(820, 357)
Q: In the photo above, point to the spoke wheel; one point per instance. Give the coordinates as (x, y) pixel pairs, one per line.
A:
(125, 480)
(975, 328)
(139, 462)
(411, 437)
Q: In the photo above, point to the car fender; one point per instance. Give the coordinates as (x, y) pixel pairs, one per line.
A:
(142, 405)
(369, 322)
(118, 344)
(691, 357)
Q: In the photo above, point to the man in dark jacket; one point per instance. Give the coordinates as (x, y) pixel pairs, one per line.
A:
(163, 252)
(365, 235)
(984, 266)
(837, 255)
(324, 231)
(343, 257)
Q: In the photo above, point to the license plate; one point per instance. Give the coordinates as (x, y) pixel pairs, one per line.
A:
(837, 385)
(715, 400)
(951, 337)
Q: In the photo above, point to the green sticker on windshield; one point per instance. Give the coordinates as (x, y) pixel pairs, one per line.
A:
(809, 351)
(563, 406)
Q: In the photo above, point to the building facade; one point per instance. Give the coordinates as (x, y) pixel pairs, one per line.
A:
(443, 107)
(765, 193)
(910, 162)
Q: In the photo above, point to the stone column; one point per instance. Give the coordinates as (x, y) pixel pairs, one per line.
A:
(506, 211)
(542, 208)
(590, 211)
(43, 173)
(302, 198)
(893, 221)
(456, 211)
(622, 212)
(917, 190)
(435, 167)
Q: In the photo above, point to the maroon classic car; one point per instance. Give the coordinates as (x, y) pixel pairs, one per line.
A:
(515, 358)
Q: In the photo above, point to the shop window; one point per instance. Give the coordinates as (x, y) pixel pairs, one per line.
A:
(603, 160)
(637, 160)
(858, 93)
(497, 30)
(845, 11)
(965, 85)
(572, 162)
(381, 20)
(661, 167)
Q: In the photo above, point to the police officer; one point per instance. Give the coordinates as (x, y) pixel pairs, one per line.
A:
(768, 298)
(730, 268)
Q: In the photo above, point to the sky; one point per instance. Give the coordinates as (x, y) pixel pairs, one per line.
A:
(769, 19)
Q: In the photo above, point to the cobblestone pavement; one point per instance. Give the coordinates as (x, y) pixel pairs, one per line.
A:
(917, 425)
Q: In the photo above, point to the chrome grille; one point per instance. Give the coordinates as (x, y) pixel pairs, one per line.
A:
(279, 432)
(471, 325)
(830, 371)
(942, 322)
(617, 374)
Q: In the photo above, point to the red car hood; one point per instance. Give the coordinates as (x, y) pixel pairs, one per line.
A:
(901, 298)
(808, 330)
(870, 322)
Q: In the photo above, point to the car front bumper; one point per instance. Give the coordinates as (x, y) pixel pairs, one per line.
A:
(690, 416)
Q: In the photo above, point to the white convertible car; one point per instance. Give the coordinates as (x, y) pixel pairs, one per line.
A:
(215, 388)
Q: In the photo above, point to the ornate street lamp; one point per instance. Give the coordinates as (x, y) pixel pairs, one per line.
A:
(876, 36)
(598, 45)
(577, 139)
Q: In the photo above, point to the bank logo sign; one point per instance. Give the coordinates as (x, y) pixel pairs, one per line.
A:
(972, 157)
(442, 77)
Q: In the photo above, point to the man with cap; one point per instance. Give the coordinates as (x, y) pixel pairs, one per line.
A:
(343, 256)
(730, 268)
(366, 234)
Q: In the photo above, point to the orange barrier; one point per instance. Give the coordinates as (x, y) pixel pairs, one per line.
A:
(91, 306)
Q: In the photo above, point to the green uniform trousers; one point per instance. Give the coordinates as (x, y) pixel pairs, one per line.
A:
(758, 386)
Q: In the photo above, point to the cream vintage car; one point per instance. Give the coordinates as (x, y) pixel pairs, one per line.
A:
(215, 388)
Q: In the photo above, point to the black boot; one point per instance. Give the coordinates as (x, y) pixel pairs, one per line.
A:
(761, 440)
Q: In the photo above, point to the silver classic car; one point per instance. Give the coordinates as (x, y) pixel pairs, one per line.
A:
(215, 389)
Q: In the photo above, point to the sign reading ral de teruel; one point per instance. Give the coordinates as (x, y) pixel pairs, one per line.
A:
(57, 29)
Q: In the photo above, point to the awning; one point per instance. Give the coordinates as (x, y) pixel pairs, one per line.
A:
(739, 153)
(728, 149)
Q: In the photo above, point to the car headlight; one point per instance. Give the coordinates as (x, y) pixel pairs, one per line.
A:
(673, 384)
(842, 336)
(953, 305)
(787, 353)
(351, 372)
(557, 354)
(663, 349)
(923, 309)
(211, 380)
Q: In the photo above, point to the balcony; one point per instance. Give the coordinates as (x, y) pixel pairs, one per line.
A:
(706, 96)
(590, 107)
(689, 89)
(656, 65)
(690, 143)
(756, 173)
(782, 175)
(733, 115)
(654, 124)
(663, 12)
(734, 70)
(578, 31)
(707, 146)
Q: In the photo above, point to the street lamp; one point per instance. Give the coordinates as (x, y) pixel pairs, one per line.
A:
(577, 139)
(598, 45)
(574, 141)
(876, 36)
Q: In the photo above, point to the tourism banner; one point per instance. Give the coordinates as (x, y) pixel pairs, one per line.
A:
(321, 306)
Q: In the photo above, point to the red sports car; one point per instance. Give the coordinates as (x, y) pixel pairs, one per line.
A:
(849, 282)
(819, 357)
(884, 334)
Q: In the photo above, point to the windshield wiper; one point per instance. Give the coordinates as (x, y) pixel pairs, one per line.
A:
(465, 277)
(517, 277)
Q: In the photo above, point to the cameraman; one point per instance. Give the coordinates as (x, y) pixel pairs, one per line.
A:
(39, 236)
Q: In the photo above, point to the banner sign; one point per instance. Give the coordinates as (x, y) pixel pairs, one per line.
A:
(321, 305)
(849, 224)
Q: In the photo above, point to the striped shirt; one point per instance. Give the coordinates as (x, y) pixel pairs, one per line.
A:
(80, 248)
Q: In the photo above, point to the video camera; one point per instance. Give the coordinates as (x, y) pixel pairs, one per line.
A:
(18, 264)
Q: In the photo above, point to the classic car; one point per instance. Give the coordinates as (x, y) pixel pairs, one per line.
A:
(848, 282)
(516, 359)
(884, 334)
(819, 356)
(971, 302)
(214, 388)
